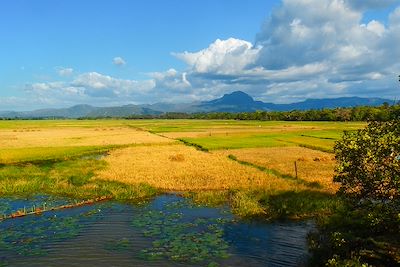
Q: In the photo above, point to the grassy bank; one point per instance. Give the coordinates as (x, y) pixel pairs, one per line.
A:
(271, 205)
(71, 178)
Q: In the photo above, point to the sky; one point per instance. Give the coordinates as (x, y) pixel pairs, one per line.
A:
(59, 53)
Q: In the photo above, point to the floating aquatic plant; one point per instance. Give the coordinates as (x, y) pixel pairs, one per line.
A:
(181, 239)
(32, 235)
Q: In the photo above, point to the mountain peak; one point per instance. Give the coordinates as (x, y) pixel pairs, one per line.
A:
(238, 94)
(234, 98)
(82, 106)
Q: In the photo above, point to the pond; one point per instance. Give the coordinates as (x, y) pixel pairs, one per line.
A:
(168, 231)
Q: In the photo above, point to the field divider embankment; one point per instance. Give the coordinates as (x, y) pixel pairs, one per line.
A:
(36, 210)
(160, 135)
(319, 137)
(197, 146)
(183, 141)
(314, 185)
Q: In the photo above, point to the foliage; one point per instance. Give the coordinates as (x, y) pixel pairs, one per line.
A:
(366, 231)
(369, 161)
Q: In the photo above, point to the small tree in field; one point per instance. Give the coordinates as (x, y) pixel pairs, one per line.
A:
(369, 162)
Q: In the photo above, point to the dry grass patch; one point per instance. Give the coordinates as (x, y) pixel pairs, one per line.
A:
(57, 137)
(312, 165)
(178, 167)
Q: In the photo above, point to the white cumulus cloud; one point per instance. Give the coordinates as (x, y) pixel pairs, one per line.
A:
(222, 56)
(119, 61)
(93, 85)
(64, 72)
(171, 79)
(96, 84)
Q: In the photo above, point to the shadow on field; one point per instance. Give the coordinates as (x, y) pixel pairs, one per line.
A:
(299, 205)
(313, 185)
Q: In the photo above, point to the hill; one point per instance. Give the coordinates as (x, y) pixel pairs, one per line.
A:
(234, 102)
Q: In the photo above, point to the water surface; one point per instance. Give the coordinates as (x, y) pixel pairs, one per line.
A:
(168, 231)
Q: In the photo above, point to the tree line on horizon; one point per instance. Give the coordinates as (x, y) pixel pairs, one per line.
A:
(381, 113)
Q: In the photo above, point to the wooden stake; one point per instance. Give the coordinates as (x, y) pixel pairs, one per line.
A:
(295, 168)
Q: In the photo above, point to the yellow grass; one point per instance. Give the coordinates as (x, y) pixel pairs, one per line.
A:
(178, 167)
(62, 137)
(312, 165)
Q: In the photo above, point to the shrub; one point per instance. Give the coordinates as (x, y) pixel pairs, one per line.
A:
(366, 231)
(369, 161)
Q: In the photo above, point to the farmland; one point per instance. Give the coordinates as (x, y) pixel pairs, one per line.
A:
(247, 164)
(154, 191)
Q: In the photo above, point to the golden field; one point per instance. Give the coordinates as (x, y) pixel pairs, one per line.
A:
(178, 167)
(77, 136)
(312, 165)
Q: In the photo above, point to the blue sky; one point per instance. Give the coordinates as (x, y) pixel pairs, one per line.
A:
(57, 53)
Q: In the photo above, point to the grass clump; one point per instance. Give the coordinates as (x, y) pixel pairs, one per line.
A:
(283, 205)
(212, 198)
(177, 157)
(246, 204)
(271, 205)
(299, 205)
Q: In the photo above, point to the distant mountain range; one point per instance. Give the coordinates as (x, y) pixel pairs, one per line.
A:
(234, 102)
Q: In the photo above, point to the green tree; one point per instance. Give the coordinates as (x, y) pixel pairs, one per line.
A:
(365, 231)
(369, 161)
